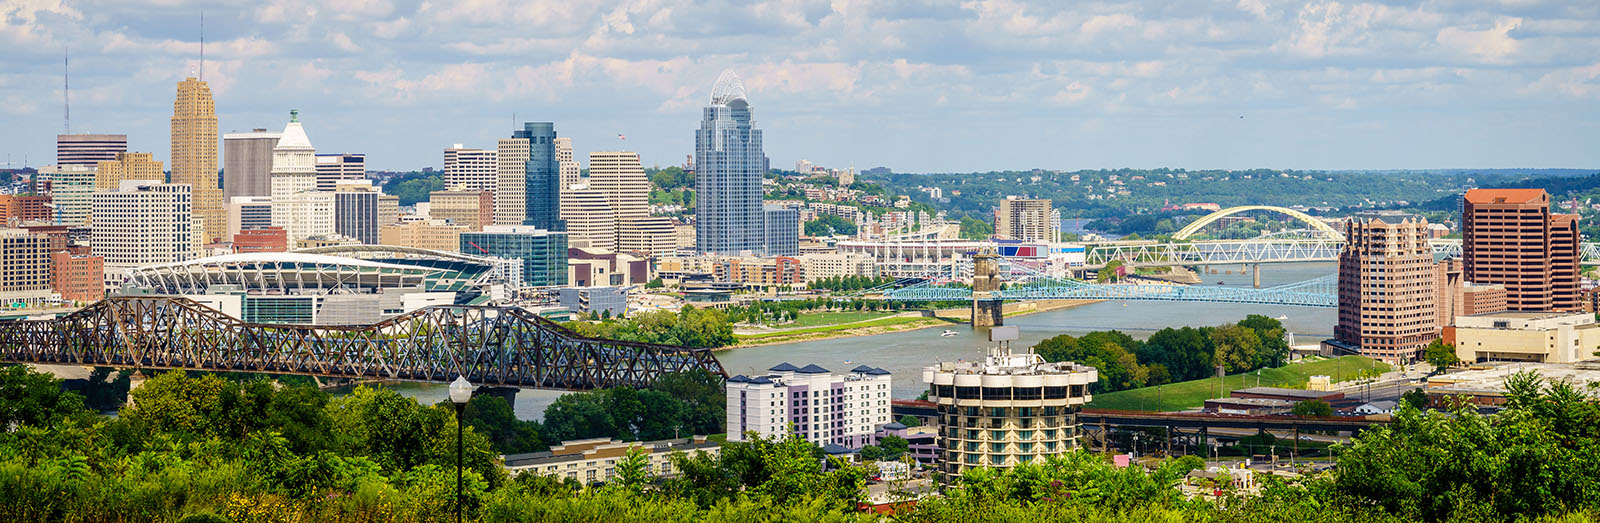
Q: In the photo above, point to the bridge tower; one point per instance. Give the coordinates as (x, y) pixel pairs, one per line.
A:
(986, 305)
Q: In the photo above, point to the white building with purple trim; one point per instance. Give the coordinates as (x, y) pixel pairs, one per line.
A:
(820, 406)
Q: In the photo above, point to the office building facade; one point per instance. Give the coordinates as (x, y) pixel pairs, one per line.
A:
(468, 208)
(247, 163)
(423, 234)
(249, 213)
(471, 169)
(335, 168)
(729, 166)
(510, 193)
(89, 150)
(24, 267)
(78, 277)
(590, 219)
(541, 185)
(1510, 237)
(820, 406)
(143, 223)
(143, 167)
(1387, 287)
(543, 253)
(782, 226)
(567, 163)
(355, 210)
(70, 187)
(194, 157)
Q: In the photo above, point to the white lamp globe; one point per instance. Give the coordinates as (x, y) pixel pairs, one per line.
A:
(460, 391)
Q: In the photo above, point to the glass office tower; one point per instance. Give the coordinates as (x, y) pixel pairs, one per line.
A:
(729, 166)
(543, 176)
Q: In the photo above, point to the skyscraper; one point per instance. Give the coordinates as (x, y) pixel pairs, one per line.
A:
(570, 170)
(89, 149)
(1024, 219)
(729, 166)
(473, 169)
(1387, 285)
(334, 168)
(247, 163)
(541, 177)
(510, 191)
(590, 219)
(355, 210)
(194, 157)
(110, 174)
(1510, 237)
(297, 207)
(143, 223)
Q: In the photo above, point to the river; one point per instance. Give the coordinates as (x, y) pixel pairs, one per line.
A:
(906, 353)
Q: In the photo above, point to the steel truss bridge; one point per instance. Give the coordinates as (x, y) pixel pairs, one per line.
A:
(1319, 292)
(491, 346)
(1261, 250)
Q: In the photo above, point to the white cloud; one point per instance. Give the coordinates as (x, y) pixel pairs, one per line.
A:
(1494, 45)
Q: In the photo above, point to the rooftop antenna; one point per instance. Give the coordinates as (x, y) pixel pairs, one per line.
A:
(66, 89)
(202, 45)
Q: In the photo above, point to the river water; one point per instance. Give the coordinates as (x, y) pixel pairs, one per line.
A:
(906, 353)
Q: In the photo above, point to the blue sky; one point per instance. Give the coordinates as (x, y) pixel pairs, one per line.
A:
(914, 85)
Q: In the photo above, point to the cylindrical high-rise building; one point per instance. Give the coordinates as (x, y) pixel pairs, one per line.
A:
(1006, 410)
(729, 166)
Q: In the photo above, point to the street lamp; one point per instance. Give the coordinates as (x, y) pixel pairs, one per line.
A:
(460, 394)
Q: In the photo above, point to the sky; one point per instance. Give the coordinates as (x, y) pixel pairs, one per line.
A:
(917, 86)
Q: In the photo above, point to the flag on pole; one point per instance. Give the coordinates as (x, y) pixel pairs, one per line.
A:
(621, 137)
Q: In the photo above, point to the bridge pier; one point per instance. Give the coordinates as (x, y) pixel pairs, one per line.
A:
(1255, 275)
(987, 308)
(506, 393)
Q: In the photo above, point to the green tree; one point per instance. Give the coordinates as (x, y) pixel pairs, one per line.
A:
(1415, 398)
(491, 416)
(1441, 355)
(1274, 349)
(1312, 408)
(34, 398)
(975, 229)
(911, 421)
(1235, 347)
(893, 447)
(828, 224)
(633, 470)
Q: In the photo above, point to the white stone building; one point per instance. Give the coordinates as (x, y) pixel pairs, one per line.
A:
(824, 408)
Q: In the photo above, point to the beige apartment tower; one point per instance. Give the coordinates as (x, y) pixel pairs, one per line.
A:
(128, 166)
(194, 157)
(470, 209)
(620, 177)
(1024, 219)
(510, 193)
(143, 223)
(590, 220)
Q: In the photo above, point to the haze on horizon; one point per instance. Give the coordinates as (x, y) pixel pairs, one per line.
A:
(916, 86)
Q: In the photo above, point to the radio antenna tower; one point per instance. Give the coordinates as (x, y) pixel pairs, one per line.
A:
(202, 45)
(66, 96)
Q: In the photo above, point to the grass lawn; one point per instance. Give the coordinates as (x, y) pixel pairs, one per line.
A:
(818, 319)
(1192, 394)
(830, 328)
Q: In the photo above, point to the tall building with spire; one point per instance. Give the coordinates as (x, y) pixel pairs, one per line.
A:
(194, 157)
(729, 165)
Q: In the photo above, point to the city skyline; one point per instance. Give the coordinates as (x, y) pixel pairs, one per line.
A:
(1190, 86)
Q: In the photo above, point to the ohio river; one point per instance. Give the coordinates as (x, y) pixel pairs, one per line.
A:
(906, 353)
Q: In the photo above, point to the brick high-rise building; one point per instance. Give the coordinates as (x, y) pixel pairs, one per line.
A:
(18, 209)
(78, 277)
(1510, 237)
(1387, 286)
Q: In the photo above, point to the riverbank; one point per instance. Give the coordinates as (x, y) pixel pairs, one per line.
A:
(902, 322)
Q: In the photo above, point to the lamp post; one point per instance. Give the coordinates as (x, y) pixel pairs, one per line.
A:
(460, 394)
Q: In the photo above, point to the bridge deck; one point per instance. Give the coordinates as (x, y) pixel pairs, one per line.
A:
(487, 345)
